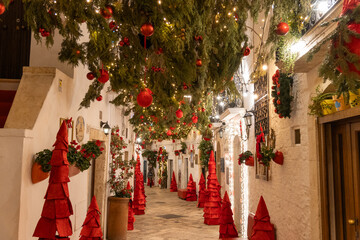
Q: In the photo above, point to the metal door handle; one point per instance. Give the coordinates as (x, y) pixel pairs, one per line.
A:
(351, 221)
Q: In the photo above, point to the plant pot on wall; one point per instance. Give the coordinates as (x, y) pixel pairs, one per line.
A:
(73, 170)
(328, 106)
(117, 218)
(354, 99)
(340, 103)
(37, 174)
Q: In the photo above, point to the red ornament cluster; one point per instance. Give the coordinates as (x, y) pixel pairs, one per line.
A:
(157, 69)
(124, 42)
(104, 76)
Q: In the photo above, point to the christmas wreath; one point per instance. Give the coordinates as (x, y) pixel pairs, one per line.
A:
(281, 92)
(247, 158)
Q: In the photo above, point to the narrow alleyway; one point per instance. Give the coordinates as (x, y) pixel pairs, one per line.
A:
(169, 217)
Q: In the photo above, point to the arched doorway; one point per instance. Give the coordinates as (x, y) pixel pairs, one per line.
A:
(237, 182)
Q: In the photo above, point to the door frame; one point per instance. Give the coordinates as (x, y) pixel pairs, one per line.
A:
(326, 171)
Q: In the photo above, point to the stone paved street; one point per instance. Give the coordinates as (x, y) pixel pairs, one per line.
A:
(169, 217)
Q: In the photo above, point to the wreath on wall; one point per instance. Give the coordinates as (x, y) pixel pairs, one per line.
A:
(281, 92)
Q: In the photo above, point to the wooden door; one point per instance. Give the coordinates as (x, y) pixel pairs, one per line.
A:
(14, 41)
(345, 140)
(355, 139)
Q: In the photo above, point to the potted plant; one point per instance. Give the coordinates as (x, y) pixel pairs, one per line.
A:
(120, 173)
(41, 167)
(247, 158)
(322, 104)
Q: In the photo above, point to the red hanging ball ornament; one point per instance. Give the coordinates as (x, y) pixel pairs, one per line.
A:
(104, 76)
(210, 125)
(184, 123)
(112, 25)
(203, 109)
(169, 133)
(279, 158)
(282, 29)
(194, 119)
(278, 93)
(90, 76)
(106, 12)
(198, 62)
(99, 98)
(144, 98)
(276, 110)
(141, 117)
(121, 43)
(147, 29)
(247, 51)
(177, 121)
(278, 102)
(179, 113)
(173, 140)
(172, 128)
(2, 8)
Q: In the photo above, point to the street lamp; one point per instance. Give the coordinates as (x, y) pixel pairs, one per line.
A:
(105, 126)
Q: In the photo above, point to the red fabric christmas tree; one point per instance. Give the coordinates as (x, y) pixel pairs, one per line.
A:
(148, 182)
(131, 218)
(173, 187)
(191, 190)
(139, 201)
(202, 192)
(227, 226)
(262, 229)
(91, 228)
(212, 206)
(55, 222)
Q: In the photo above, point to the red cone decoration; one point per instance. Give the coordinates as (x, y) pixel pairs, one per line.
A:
(202, 192)
(262, 229)
(227, 226)
(191, 190)
(148, 182)
(131, 218)
(173, 186)
(212, 206)
(55, 222)
(144, 98)
(91, 227)
(139, 201)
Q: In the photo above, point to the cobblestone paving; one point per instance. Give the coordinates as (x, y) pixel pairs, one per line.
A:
(169, 217)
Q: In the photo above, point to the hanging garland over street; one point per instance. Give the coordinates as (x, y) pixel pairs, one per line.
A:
(159, 56)
(281, 92)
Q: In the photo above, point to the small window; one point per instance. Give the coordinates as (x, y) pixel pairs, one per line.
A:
(297, 136)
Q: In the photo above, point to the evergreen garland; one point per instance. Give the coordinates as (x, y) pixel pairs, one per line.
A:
(342, 66)
(281, 92)
(205, 147)
(185, 31)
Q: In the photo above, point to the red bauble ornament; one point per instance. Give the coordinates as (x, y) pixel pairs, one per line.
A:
(177, 121)
(78, 52)
(141, 117)
(194, 119)
(203, 109)
(280, 116)
(179, 113)
(104, 76)
(278, 93)
(2, 8)
(106, 12)
(210, 125)
(90, 76)
(99, 98)
(144, 98)
(247, 51)
(278, 102)
(169, 133)
(112, 25)
(198, 62)
(173, 141)
(172, 128)
(184, 123)
(147, 29)
(282, 29)
(276, 110)
(121, 43)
